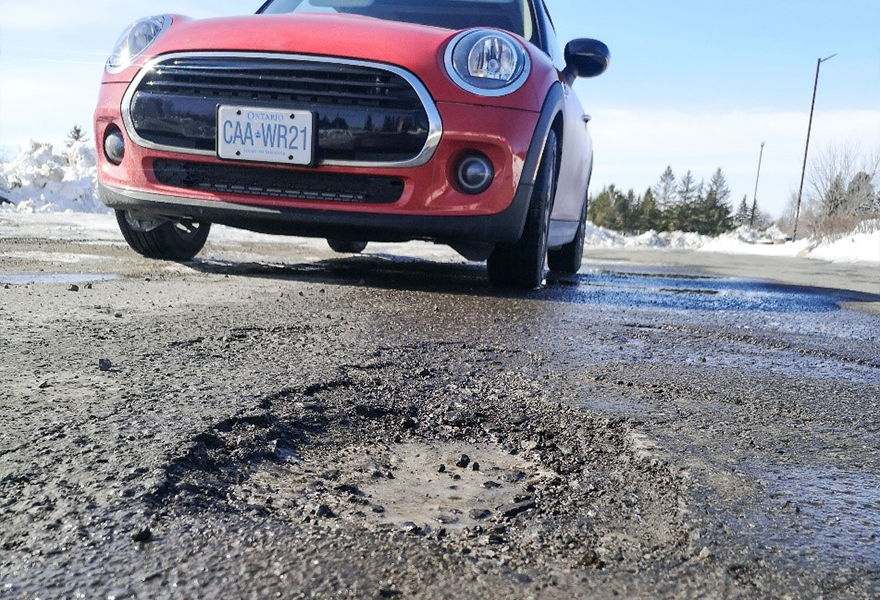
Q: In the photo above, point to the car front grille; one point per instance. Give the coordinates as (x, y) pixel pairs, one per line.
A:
(363, 113)
(278, 183)
(294, 82)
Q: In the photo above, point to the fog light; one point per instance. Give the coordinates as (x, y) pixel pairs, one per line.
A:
(114, 146)
(475, 174)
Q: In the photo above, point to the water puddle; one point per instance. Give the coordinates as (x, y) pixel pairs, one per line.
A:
(686, 292)
(832, 514)
(49, 278)
(660, 290)
(59, 257)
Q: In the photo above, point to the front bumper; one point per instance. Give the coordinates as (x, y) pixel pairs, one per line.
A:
(503, 227)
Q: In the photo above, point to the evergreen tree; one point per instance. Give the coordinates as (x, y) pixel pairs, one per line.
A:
(679, 216)
(713, 215)
(601, 207)
(664, 191)
(754, 214)
(714, 209)
(76, 134)
(689, 206)
(861, 195)
(688, 190)
(718, 185)
(626, 212)
(743, 213)
(649, 215)
(835, 197)
(614, 210)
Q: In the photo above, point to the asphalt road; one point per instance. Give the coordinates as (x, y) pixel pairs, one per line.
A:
(276, 421)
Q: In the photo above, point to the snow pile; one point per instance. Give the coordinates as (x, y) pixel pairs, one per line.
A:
(746, 235)
(682, 240)
(600, 237)
(38, 180)
(603, 238)
(861, 244)
(745, 240)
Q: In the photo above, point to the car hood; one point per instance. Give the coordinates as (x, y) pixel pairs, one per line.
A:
(417, 48)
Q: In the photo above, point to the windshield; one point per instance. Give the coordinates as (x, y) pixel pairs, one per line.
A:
(511, 15)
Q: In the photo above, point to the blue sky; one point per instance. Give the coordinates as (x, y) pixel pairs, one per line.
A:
(693, 84)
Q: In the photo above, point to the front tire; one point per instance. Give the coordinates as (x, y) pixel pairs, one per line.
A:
(568, 259)
(347, 247)
(172, 240)
(521, 265)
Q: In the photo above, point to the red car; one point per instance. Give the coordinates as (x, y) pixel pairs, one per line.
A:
(354, 120)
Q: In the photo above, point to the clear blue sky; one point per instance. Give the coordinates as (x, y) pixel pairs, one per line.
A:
(696, 85)
(759, 54)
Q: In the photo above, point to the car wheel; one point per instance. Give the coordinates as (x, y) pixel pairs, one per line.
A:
(521, 265)
(567, 260)
(170, 240)
(347, 247)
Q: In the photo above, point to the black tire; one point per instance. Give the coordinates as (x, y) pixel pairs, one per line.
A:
(172, 240)
(347, 247)
(567, 260)
(521, 265)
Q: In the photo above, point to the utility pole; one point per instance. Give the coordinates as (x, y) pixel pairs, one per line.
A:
(797, 214)
(757, 179)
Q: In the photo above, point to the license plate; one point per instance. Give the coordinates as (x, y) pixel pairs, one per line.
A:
(266, 135)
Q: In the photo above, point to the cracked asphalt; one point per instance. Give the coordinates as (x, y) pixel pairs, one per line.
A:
(276, 421)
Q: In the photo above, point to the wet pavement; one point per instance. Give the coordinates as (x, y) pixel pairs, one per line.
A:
(290, 423)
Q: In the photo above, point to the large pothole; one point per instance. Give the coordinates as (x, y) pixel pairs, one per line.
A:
(465, 454)
(418, 485)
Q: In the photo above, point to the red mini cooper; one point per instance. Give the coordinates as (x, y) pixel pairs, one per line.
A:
(451, 121)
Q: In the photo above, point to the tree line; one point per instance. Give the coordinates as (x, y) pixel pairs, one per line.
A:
(842, 189)
(674, 204)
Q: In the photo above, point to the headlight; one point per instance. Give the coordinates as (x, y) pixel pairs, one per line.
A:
(487, 62)
(139, 36)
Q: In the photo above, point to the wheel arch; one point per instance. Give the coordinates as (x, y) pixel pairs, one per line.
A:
(558, 127)
(551, 119)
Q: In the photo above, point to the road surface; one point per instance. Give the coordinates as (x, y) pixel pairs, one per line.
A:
(274, 420)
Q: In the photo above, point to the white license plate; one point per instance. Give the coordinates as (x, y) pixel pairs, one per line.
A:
(266, 135)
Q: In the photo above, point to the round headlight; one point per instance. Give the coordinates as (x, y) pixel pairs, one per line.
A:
(139, 36)
(487, 62)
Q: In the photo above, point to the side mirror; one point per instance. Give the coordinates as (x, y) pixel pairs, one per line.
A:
(586, 58)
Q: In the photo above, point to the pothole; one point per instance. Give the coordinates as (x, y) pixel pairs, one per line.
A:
(416, 485)
(462, 454)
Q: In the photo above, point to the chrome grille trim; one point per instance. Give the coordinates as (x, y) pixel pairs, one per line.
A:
(435, 123)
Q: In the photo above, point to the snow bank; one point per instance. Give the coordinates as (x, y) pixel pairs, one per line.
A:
(745, 240)
(40, 181)
(600, 237)
(861, 245)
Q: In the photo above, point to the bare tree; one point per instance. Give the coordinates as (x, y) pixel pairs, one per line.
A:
(842, 189)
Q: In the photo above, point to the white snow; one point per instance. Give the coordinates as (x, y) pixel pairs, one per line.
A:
(863, 243)
(53, 194)
(745, 240)
(38, 180)
(860, 245)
